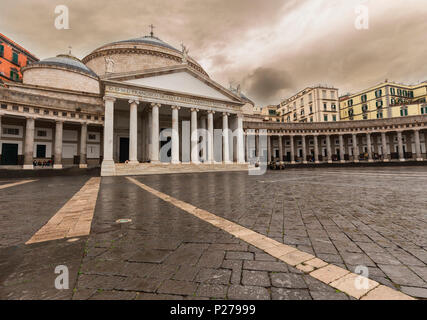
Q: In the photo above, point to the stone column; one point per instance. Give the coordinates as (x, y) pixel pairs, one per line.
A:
(175, 135)
(400, 143)
(133, 132)
(417, 145)
(58, 145)
(225, 141)
(268, 148)
(356, 151)
(385, 149)
(240, 140)
(342, 149)
(194, 137)
(210, 138)
(204, 137)
(155, 133)
(369, 145)
(83, 146)
(304, 150)
(281, 148)
(247, 146)
(316, 149)
(29, 144)
(328, 148)
(108, 168)
(291, 137)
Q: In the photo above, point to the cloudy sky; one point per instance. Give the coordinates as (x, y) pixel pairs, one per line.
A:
(273, 48)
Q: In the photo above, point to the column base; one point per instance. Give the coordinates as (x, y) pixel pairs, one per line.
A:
(305, 162)
(356, 161)
(155, 161)
(342, 161)
(175, 162)
(196, 162)
(293, 162)
(420, 159)
(330, 161)
(370, 160)
(108, 168)
(83, 166)
(227, 162)
(57, 166)
(28, 167)
(386, 160)
(317, 162)
(402, 160)
(133, 162)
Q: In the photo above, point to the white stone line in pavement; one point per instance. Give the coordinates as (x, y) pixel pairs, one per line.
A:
(4, 186)
(74, 218)
(330, 274)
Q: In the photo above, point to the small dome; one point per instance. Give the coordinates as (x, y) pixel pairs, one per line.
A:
(149, 40)
(67, 61)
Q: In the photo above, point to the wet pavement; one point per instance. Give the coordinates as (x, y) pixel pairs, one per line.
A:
(348, 217)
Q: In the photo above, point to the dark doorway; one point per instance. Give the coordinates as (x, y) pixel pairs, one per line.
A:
(41, 151)
(9, 154)
(124, 150)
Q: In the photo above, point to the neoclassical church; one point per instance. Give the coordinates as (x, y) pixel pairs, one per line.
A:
(122, 103)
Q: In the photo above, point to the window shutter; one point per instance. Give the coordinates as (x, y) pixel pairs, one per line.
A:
(1, 50)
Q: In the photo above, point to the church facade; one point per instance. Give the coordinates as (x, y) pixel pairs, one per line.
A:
(120, 104)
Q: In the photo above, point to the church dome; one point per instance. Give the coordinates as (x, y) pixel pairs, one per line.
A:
(67, 61)
(137, 54)
(62, 72)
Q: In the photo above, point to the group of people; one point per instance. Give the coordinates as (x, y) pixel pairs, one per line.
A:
(42, 163)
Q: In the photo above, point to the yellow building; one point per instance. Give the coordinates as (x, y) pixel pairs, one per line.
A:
(270, 113)
(313, 104)
(386, 100)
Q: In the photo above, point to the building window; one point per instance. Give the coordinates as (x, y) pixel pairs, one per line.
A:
(15, 58)
(379, 103)
(11, 131)
(64, 114)
(393, 91)
(26, 109)
(378, 93)
(41, 133)
(350, 102)
(4, 106)
(365, 117)
(365, 108)
(311, 119)
(325, 106)
(36, 110)
(399, 92)
(424, 110)
(334, 118)
(403, 112)
(334, 107)
(364, 98)
(92, 137)
(14, 75)
(55, 113)
(379, 115)
(325, 118)
(350, 112)
(1, 50)
(15, 108)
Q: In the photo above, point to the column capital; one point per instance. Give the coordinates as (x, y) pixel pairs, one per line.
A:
(58, 121)
(195, 110)
(211, 111)
(224, 114)
(175, 107)
(133, 101)
(109, 98)
(155, 105)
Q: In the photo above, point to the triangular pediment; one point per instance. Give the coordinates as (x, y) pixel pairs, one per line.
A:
(177, 79)
(182, 82)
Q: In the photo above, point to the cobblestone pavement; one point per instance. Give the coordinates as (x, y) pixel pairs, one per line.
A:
(371, 217)
(346, 217)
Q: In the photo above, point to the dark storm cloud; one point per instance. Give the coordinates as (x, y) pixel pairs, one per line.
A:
(273, 48)
(264, 83)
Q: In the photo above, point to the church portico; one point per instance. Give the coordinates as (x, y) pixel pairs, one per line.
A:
(147, 125)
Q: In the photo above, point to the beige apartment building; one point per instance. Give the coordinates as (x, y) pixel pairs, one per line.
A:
(313, 104)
